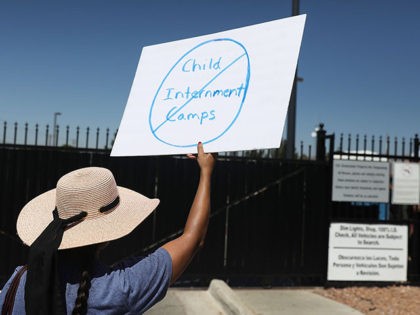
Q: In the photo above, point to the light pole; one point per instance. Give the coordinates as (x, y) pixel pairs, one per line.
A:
(291, 113)
(55, 128)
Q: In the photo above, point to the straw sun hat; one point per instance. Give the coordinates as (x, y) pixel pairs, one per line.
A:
(112, 211)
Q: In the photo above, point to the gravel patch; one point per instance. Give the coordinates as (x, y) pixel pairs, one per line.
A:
(395, 300)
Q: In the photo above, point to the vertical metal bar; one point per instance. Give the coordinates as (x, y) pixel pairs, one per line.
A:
(15, 135)
(107, 138)
(226, 240)
(77, 136)
(156, 193)
(395, 146)
(341, 145)
(67, 135)
(387, 146)
(36, 134)
(410, 147)
(357, 146)
(303, 229)
(331, 137)
(46, 135)
(320, 143)
(380, 145)
(25, 141)
(416, 145)
(301, 150)
(87, 137)
(372, 146)
(364, 146)
(403, 147)
(291, 113)
(57, 129)
(348, 146)
(310, 152)
(225, 247)
(97, 138)
(4, 132)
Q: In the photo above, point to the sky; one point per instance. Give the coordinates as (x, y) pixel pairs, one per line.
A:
(359, 59)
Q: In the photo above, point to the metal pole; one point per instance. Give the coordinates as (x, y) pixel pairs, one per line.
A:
(54, 139)
(291, 113)
(320, 143)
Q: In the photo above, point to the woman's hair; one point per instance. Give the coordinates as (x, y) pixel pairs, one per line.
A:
(81, 258)
(80, 307)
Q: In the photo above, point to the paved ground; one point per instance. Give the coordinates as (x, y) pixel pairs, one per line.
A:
(219, 299)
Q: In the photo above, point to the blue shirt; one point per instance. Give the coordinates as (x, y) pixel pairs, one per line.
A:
(130, 287)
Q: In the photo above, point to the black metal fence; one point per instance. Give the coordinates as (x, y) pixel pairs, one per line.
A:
(95, 138)
(54, 136)
(365, 148)
(266, 227)
(269, 221)
(374, 148)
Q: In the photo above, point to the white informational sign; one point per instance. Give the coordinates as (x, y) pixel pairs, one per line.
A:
(229, 90)
(367, 252)
(405, 184)
(360, 181)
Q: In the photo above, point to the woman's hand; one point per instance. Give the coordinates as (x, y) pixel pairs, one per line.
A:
(206, 161)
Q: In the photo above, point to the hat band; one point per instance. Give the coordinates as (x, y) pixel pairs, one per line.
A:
(111, 206)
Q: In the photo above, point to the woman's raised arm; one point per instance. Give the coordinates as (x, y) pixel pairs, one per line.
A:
(183, 248)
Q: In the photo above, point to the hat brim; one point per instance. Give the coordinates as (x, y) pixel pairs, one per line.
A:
(132, 209)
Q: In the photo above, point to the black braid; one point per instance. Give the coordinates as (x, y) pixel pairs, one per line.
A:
(82, 258)
(80, 307)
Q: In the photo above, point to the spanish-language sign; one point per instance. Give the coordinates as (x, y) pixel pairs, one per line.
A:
(405, 184)
(360, 181)
(229, 90)
(367, 252)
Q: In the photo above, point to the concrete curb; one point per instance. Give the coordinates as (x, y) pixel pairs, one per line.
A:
(220, 299)
(231, 303)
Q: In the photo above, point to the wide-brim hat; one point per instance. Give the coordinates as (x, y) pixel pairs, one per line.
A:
(112, 211)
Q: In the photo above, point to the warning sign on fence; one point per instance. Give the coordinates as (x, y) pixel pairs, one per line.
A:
(360, 181)
(367, 252)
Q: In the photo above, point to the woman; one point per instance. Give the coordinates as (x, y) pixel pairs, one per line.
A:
(90, 210)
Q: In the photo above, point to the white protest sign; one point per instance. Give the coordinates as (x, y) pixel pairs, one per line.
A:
(405, 184)
(367, 252)
(362, 181)
(229, 90)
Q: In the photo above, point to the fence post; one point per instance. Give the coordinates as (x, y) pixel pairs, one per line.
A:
(403, 147)
(36, 134)
(301, 150)
(67, 135)
(372, 146)
(87, 137)
(395, 146)
(4, 132)
(77, 136)
(15, 135)
(107, 138)
(320, 143)
(26, 134)
(46, 135)
(416, 147)
(331, 137)
(97, 138)
(357, 146)
(57, 129)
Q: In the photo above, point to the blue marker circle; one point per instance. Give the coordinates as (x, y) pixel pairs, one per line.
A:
(202, 95)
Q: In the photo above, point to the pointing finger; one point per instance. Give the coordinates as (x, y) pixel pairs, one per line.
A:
(200, 148)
